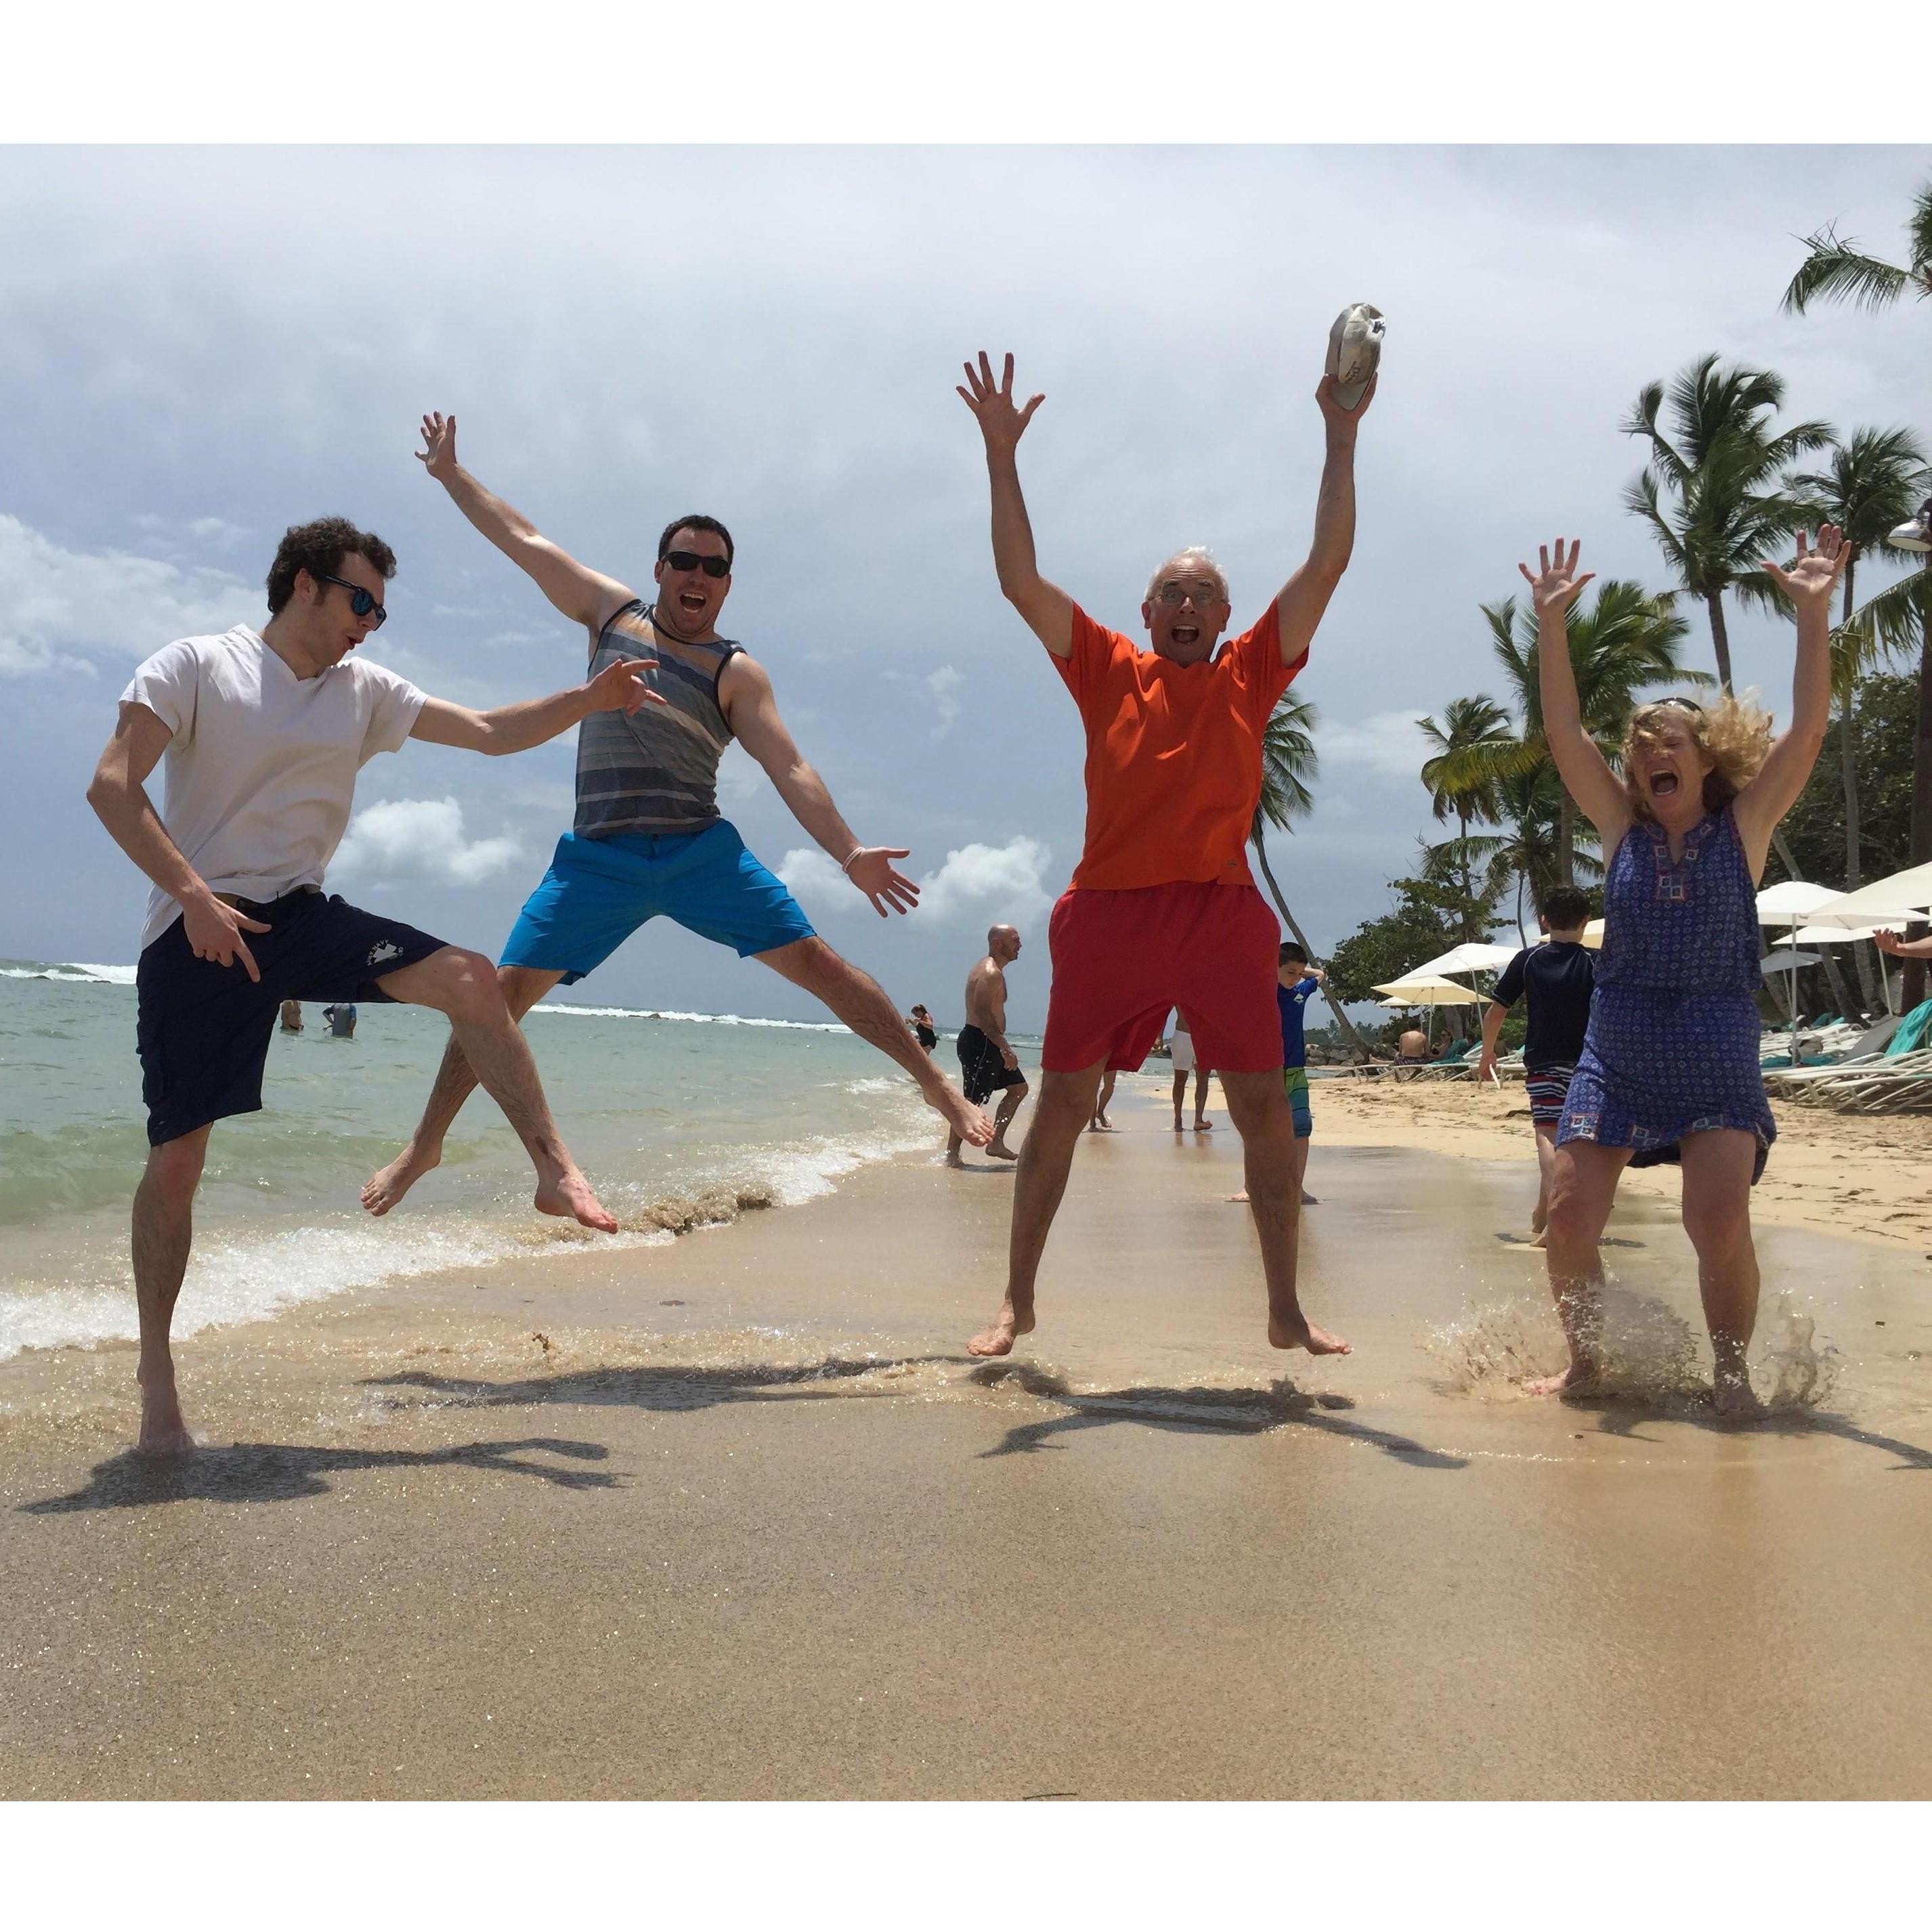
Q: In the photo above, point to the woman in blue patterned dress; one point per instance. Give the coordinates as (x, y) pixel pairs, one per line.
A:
(1670, 1069)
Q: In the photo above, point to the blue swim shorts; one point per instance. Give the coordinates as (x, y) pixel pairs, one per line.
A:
(1295, 1080)
(598, 892)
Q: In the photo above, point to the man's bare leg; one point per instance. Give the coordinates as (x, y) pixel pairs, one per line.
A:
(1179, 1098)
(1583, 1186)
(522, 987)
(1066, 1106)
(1259, 1107)
(1716, 1217)
(1100, 1124)
(1301, 1172)
(1201, 1123)
(164, 1233)
(463, 986)
(860, 1001)
(1009, 1105)
(1545, 1158)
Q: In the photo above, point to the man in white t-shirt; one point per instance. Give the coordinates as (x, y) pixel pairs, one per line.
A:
(263, 734)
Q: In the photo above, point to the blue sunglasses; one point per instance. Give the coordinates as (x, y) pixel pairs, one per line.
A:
(360, 600)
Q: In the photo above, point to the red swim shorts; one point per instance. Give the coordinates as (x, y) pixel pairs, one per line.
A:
(1122, 959)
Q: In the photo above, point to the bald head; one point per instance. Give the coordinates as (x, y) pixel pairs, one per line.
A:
(1003, 942)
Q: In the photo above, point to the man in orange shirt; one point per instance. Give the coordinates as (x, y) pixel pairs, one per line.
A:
(1163, 911)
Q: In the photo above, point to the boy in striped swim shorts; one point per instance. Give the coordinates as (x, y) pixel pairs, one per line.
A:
(1556, 978)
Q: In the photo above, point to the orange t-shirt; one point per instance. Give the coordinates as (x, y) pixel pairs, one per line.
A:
(1174, 753)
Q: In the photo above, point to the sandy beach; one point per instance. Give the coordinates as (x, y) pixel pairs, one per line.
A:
(735, 1516)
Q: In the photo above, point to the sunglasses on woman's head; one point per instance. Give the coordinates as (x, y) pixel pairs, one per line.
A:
(362, 601)
(1682, 704)
(689, 559)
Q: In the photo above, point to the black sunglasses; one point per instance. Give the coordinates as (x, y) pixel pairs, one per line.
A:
(689, 559)
(1682, 704)
(360, 600)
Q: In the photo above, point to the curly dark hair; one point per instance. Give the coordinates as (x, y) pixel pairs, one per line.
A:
(698, 524)
(318, 548)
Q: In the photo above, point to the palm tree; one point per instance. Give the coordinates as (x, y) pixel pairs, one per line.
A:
(1458, 783)
(1873, 485)
(1289, 761)
(1728, 512)
(1834, 270)
(1531, 806)
(1626, 642)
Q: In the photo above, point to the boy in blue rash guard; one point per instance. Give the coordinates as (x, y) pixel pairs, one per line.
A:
(1296, 982)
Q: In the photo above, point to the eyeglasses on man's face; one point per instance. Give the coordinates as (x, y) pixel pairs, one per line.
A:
(1174, 593)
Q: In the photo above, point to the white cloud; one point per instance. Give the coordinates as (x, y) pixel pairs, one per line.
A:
(944, 685)
(61, 607)
(989, 882)
(1389, 744)
(419, 839)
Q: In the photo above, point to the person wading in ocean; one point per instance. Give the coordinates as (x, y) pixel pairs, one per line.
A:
(988, 1064)
(263, 732)
(1162, 911)
(649, 837)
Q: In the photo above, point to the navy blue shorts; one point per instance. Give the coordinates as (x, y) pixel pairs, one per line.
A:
(598, 892)
(203, 1029)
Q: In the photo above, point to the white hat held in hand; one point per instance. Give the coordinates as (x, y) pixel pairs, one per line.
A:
(1355, 349)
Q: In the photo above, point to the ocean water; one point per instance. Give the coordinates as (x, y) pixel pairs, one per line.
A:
(656, 1105)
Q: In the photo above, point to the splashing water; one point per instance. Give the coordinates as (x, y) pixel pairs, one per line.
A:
(1803, 1372)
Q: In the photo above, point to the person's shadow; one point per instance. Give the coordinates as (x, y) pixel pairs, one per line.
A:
(667, 1386)
(258, 1472)
(1250, 1411)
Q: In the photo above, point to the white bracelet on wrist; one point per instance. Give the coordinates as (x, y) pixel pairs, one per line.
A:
(856, 852)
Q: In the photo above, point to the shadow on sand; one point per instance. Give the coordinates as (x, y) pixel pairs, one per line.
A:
(1624, 1417)
(669, 1387)
(261, 1472)
(1225, 1411)
(1219, 1411)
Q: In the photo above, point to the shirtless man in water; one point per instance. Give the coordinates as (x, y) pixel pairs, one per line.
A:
(987, 1065)
(649, 837)
(1162, 911)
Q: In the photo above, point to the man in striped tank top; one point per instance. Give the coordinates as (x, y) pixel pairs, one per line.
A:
(649, 837)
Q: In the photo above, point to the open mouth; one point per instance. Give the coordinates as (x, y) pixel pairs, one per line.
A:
(1185, 633)
(692, 602)
(1663, 784)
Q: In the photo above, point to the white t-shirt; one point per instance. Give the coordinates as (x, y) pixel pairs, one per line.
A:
(261, 774)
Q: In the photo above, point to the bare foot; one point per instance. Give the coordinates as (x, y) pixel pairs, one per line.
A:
(1579, 1378)
(1242, 1196)
(1308, 1200)
(1302, 1333)
(973, 1125)
(999, 1339)
(1538, 1239)
(569, 1197)
(1204, 1127)
(387, 1185)
(1000, 1150)
(953, 1158)
(1735, 1401)
(164, 1431)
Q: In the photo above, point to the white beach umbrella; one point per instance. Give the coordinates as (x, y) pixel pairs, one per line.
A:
(1786, 962)
(1593, 935)
(1476, 956)
(1881, 900)
(1839, 935)
(1408, 991)
(1791, 900)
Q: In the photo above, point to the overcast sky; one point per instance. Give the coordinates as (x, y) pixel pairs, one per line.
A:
(198, 348)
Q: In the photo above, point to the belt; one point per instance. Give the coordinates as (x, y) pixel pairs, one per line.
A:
(259, 909)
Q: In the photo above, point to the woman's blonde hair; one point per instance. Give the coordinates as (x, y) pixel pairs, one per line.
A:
(1736, 738)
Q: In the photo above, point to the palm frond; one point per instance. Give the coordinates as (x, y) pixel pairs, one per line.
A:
(1835, 271)
(1898, 615)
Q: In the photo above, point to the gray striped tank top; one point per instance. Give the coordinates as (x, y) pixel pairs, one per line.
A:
(656, 770)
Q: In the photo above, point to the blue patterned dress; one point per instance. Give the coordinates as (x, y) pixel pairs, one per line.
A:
(1672, 1045)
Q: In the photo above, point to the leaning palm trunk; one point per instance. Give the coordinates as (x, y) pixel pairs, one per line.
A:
(1301, 939)
(1848, 770)
(1720, 638)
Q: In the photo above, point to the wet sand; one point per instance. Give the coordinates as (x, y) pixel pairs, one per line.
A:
(736, 1517)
